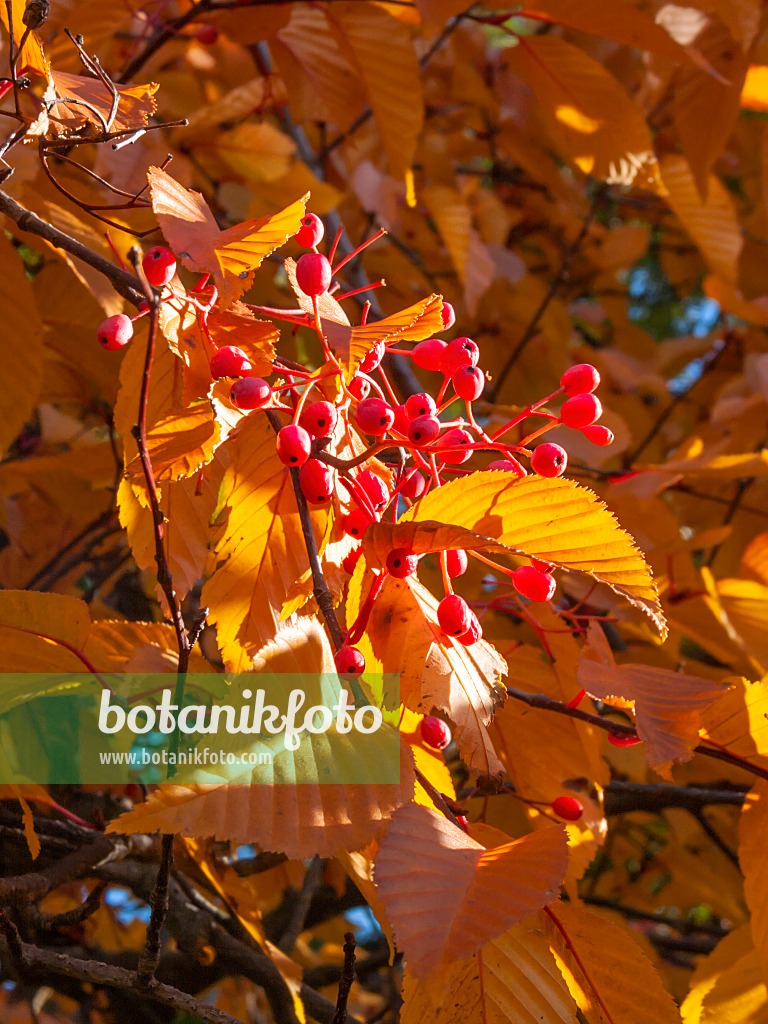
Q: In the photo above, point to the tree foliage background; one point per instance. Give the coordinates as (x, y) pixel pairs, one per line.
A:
(583, 182)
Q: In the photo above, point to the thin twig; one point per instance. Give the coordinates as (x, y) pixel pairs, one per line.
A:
(711, 832)
(346, 980)
(150, 955)
(95, 524)
(321, 589)
(544, 703)
(312, 881)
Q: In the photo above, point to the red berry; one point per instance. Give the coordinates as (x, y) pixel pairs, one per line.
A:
(457, 437)
(535, 585)
(508, 465)
(434, 732)
(567, 807)
(359, 388)
(349, 661)
(454, 615)
(311, 231)
(351, 560)
(402, 420)
(549, 460)
(460, 352)
(473, 634)
(319, 418)
(159, 266)
(581, 411)
(375, 488)
(316, 482)
(402, 562)
(598, 434)
(468, 383)
(448, 315)
(623, 741)
(462, 822)
(313, 273)
(428, 355)
(581, 379)
(115, 332)
(540, 566)
(457, 562)
(250, 393)
(420, 405)
(412, 486)
(230, 362)
(372, 359)
(374, 416)
(423, 430)
(293, 445)
(207, 35)
(356, 523)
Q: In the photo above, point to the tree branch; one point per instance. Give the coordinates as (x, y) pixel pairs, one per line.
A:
(123, 282)
(347, 978)
(150, 955)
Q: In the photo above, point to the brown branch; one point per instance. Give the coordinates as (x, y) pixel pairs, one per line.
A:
(544, 703)
(560, 279)
(321, 590)
(623, 797)
(679, 924)
(35, 959)
(123, 282)
(82, 862)
(96, 524)
(139, 432)
(312, 882)
(70, 918)
(150, 955)
(347, 979)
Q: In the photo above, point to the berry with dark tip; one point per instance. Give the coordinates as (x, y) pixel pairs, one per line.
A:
(159, 266)
(311, 231)
(359, 388)
(428, 355)
(456, 437)
(420, 405)
(549, 460)
(316, 482)
(372, 359)
(535, 585)
(423, 430)
(349, 661)
(319, 418)
(473, 634)
(313, 273)
(581, 411)
(454, 615)
(293, 445)
(207, 35)
(598, 434)
(581, 379)
(567, 807)
(435, 732)
(468, 383)
(374, 416)
(250, 393)
(115, 332)
(229, 361)
(402, 562)
(356, 523)
(448, 315)
(460, 352)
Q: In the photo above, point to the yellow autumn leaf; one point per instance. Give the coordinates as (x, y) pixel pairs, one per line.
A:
(753, 836)
(285, 805)
(754, 92)
(180, 443)
(712, 224)
(475, 894)
(754, 561)
(31, 56)
(42, 633)
(607, 972)
(555, 520)
(453, 216)
(259, 550)
(496, 985)
(727, 985)
(738, 721)
(22, 364)
(419, 321)
(591, 118)
(667, 704)
(703, 462)
(390, 75)
(745, 602)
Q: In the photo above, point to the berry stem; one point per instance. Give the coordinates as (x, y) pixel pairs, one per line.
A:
(358, 626)
(342, 263)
